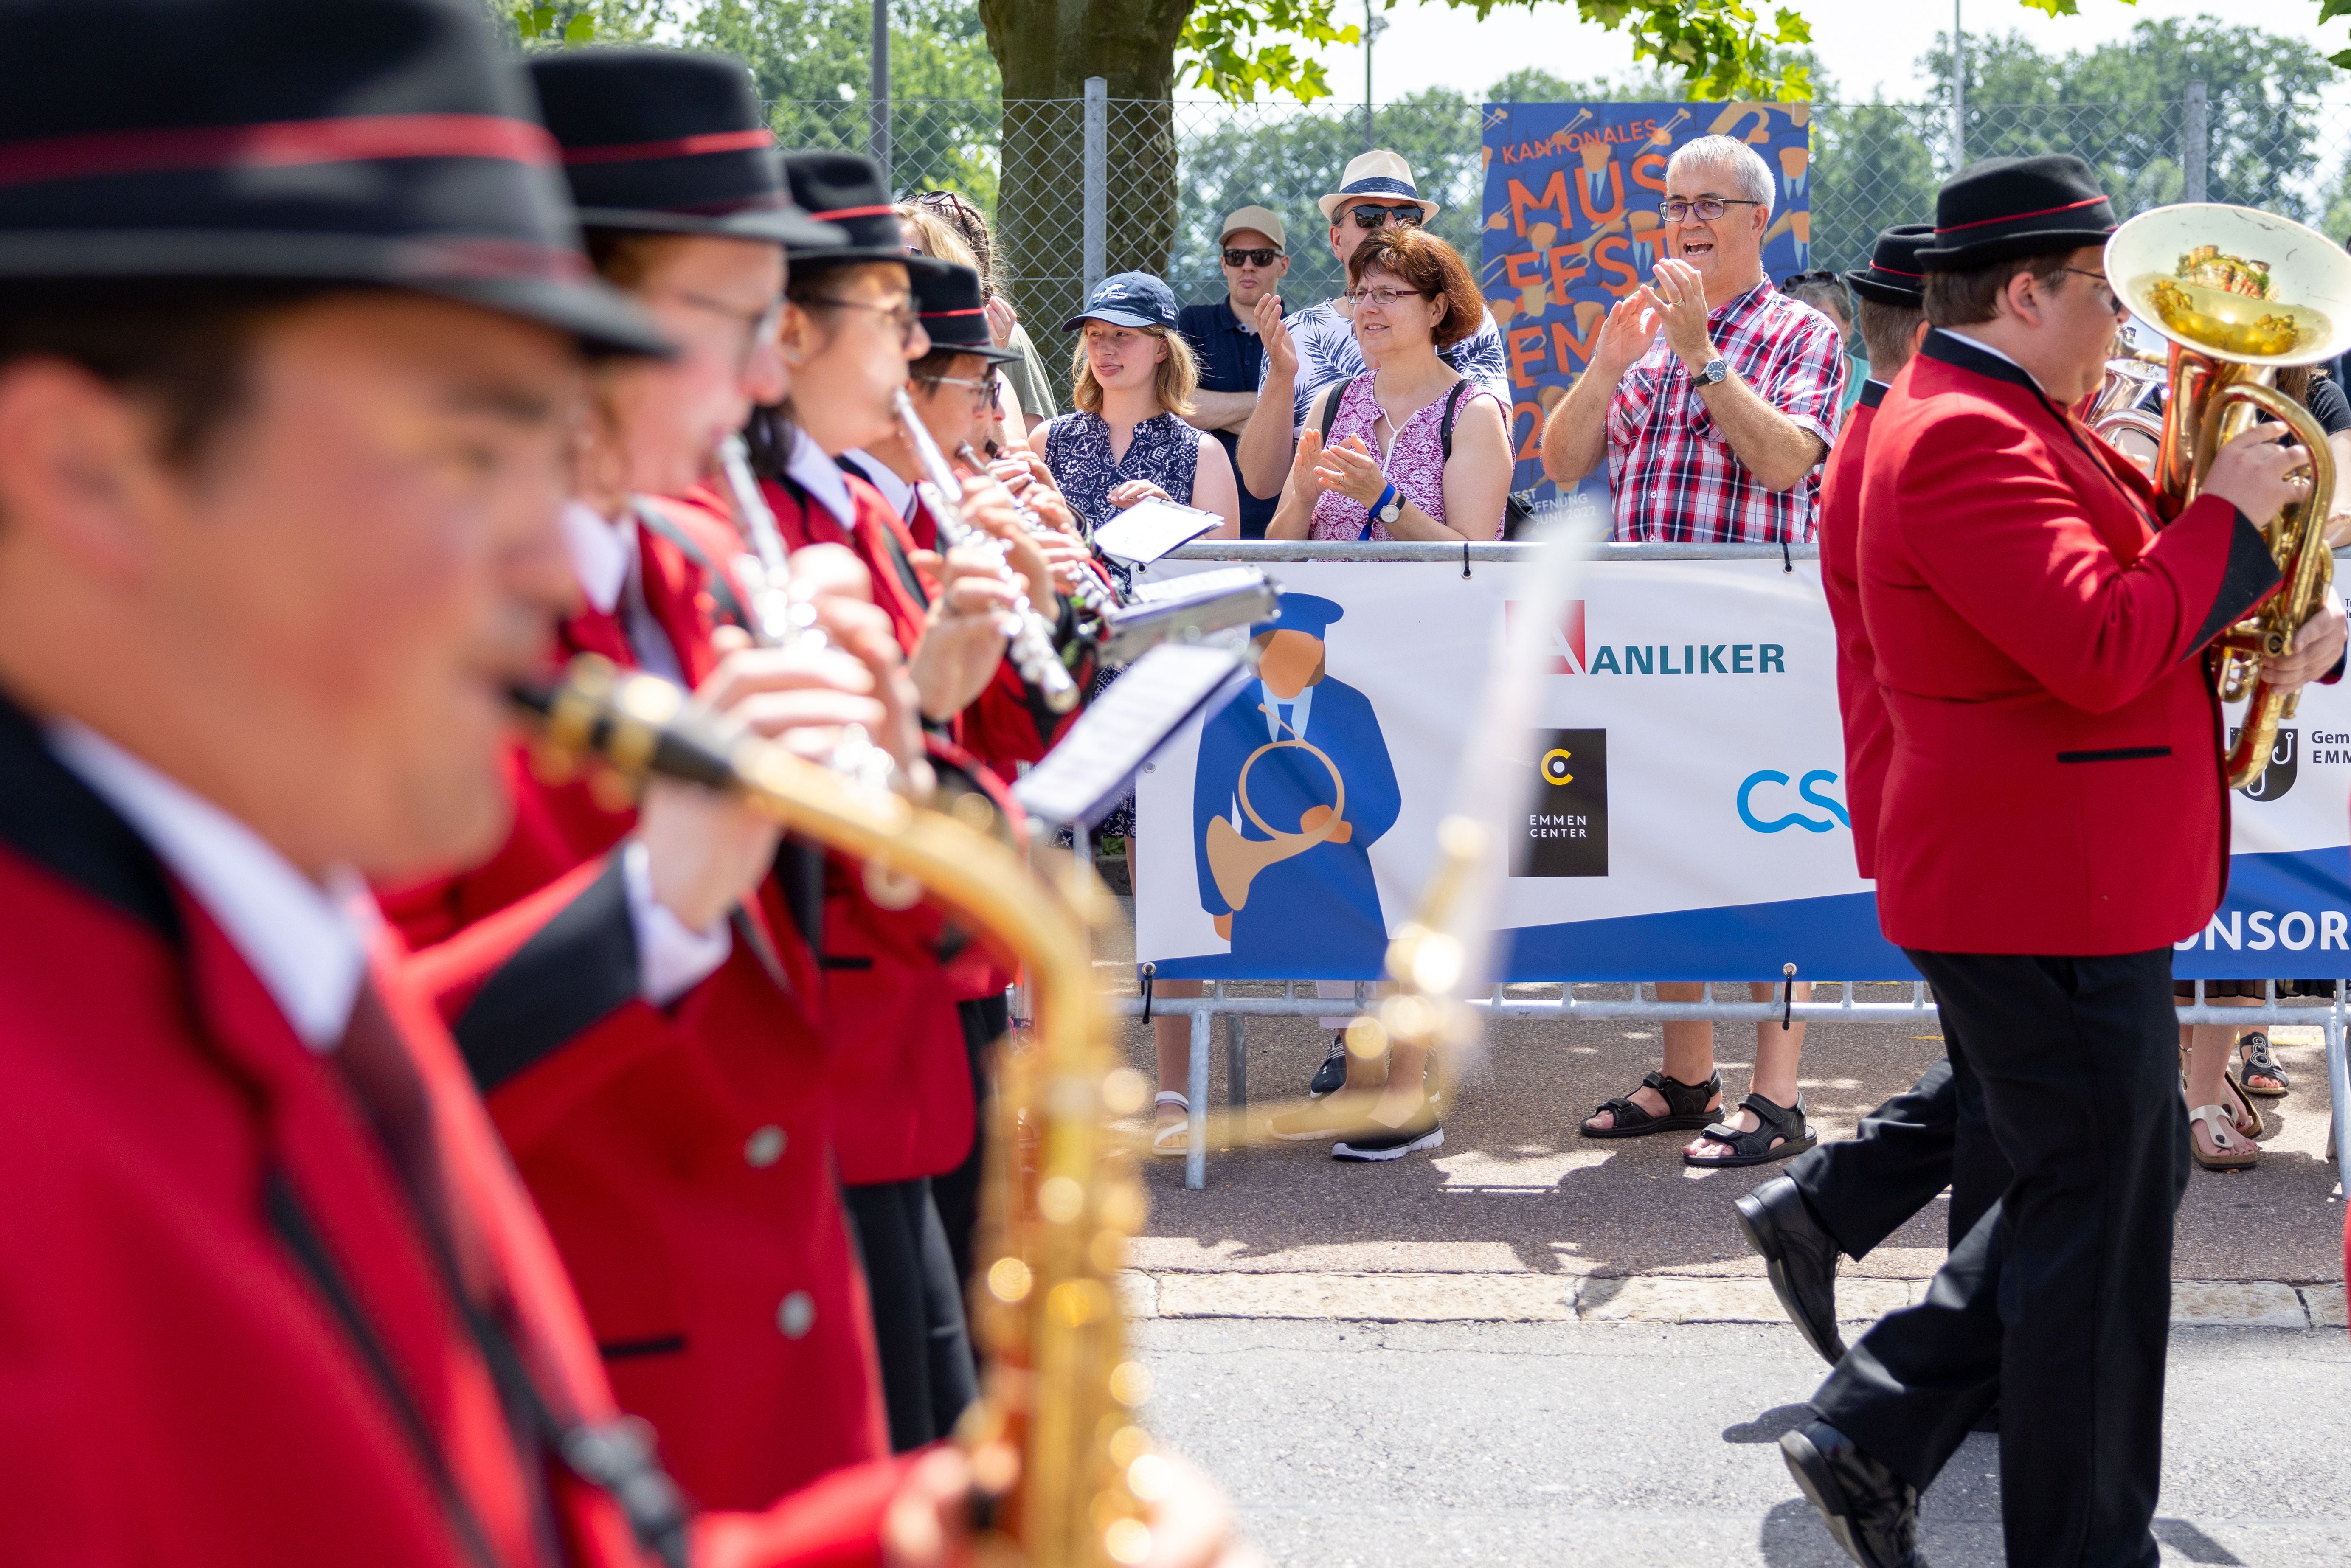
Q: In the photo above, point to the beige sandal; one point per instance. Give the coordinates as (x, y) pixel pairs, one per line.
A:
(2234, 1151)
(1172, 1137)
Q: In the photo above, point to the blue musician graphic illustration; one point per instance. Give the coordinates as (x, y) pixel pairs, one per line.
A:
(1293, 787)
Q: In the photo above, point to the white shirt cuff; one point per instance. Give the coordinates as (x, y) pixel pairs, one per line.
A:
(671, 959)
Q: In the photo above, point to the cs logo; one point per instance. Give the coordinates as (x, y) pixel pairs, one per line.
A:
(1804, 791)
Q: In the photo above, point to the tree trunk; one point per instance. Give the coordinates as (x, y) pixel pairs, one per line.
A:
(1046, 50)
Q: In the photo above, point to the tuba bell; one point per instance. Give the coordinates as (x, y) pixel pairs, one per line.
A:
(2240, 295)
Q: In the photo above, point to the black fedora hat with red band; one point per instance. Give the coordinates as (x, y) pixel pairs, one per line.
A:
(2003, 208)
(370, 142)
(954, 307)
(846, 190)
(669, 141)
(1894, 275)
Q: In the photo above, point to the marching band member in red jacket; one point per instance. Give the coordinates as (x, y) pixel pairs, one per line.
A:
(2054, 818)
(902, 1079)
(285, 398)
(628, 985)
(1844, 1198)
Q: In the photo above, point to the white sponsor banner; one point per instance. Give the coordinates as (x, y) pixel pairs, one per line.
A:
(1690, 821)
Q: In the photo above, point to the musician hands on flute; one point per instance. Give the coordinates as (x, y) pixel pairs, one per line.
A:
(705, 851)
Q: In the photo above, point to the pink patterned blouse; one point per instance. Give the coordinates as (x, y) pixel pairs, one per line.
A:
(1415, 462)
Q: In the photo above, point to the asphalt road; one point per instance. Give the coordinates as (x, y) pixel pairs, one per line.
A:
(1382, 1446)
(1531, 1347)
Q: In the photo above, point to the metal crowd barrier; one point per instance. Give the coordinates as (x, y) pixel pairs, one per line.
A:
(1644, 1007)
(1257, 552)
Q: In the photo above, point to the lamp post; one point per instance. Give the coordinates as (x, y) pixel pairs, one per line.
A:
(1959, 92)
(1373, 26)
(877, 108)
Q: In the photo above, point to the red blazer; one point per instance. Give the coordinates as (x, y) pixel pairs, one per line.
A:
(683, 1156)
(901, 1073)
(187, 1182)
(1868, 735)
(2055, 785)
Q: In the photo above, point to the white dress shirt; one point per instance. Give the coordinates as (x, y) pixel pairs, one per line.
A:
(822, 479)
(672, 958)
(898, 491)
(1995, 353)
(307, 943)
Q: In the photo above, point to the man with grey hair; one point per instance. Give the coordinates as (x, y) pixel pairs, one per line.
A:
(1713, 397)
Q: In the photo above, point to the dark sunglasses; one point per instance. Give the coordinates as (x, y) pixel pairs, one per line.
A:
(1236, 257)
(1369, 217)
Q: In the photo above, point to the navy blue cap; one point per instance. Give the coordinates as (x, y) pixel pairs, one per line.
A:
(1128, 299)
(1307, 612)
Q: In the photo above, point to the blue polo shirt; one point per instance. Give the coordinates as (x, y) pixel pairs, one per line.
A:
(1232, 359)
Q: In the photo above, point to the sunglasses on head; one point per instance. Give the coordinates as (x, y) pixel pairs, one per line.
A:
(1370, 218)
(1818, 275)
(1236, 257)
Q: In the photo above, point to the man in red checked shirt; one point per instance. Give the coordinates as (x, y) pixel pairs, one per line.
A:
(1714, 397)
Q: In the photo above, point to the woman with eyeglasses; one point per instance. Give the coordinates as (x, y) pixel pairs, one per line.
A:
(1825, 292)
(1411, 449)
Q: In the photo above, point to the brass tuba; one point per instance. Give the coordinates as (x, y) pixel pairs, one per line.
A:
(1054, 1440)
(2240, 295)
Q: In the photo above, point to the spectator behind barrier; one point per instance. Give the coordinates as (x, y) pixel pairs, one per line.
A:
(1825, 292)
(1133, 379)
(1224, 340)
(933, 211)
(1004, 424)
(1410, 449)
(1712, 395)
(1317, 346)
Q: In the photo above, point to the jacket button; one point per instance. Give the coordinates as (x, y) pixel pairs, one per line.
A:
(764, 1148)
(797, 1315)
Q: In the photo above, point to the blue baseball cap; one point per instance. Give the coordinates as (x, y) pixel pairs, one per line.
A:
(1307, 612)
(1128, 299)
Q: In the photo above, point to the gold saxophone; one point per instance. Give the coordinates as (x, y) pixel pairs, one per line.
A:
(2240, 295)
(1054, 1440)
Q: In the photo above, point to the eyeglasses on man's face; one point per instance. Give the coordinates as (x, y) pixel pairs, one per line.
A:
(1236, 257)
(1368, 216)
(1356, 299)
(1705, 209)
(2114, 304)
(753, 327)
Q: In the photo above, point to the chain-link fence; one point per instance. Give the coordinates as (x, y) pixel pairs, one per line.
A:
(1162, 174)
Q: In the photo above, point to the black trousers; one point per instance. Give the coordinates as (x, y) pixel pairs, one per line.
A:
(2057, 1302)
(1932, 1135)
(985, 1023)
(928, 1375)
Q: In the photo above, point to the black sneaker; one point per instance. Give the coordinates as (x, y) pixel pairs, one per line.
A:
(1386, 1146)
(1332, 1076)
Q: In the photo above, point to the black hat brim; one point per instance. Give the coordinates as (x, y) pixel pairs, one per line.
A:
(989, 351)
(1885, 293)
(794, 230)
(2011, 246)
(856, 254)
(602, 319)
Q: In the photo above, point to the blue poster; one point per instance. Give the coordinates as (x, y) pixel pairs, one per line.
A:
(1571, 226)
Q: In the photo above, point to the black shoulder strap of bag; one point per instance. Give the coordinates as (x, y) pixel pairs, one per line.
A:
(1331, 408)
(1445, 426)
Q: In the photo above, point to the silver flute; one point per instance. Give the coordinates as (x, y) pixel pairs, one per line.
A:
(1096, 596)
(1031, 635)
(782, 621)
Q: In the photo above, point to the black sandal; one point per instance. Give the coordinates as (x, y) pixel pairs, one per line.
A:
(1685, 1108)
(1756, 1148)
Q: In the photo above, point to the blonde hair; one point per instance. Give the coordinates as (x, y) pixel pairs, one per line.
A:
(939, 238)
(1178, 379)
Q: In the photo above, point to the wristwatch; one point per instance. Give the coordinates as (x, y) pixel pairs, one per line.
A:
(1718, 369)
(1388, 508)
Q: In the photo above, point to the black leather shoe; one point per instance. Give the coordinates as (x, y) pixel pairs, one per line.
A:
(1870, 1512)
(1802, 1258)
